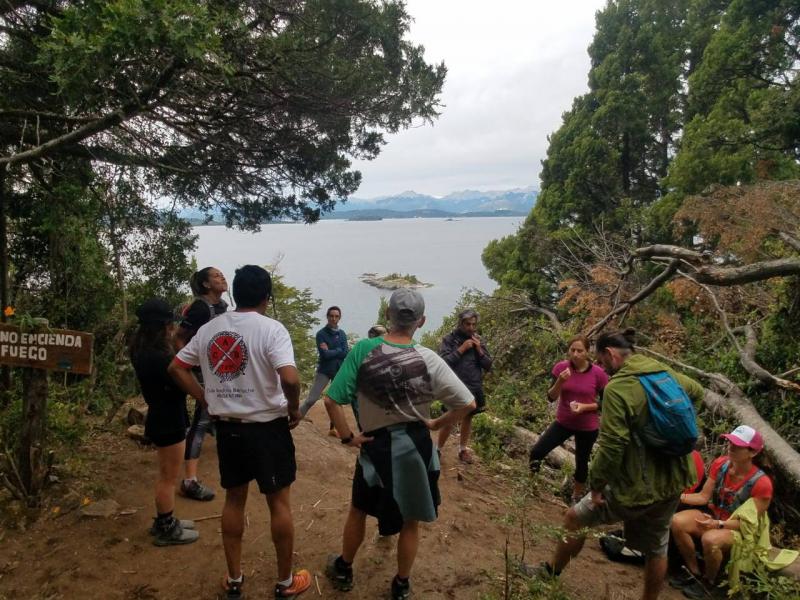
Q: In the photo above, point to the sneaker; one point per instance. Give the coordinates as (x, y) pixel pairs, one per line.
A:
(683, 578)
(232, 589)
(196, 490)
(175, 536)
(301, 581)
(466, 456)
(185, 523)
(342, 579)
(697, 589)
(400, 591)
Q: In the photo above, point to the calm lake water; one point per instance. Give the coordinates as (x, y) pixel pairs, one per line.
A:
(328, 257)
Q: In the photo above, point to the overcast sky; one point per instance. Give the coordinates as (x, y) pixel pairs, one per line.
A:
(514, 67)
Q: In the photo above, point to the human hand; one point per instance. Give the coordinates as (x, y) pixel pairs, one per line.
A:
(294, 418)
(565, 374)
(433, 424)
(470, 343)
(358, 439)
(576, 407)
(597, 498)
(706, 522)
(323, 346)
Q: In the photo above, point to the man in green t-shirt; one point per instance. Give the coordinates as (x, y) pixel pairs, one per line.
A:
(391, 381)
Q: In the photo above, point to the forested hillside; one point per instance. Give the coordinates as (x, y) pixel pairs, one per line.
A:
(670, 202)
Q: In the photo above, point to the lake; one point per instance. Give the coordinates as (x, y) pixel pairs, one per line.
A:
(329, 256)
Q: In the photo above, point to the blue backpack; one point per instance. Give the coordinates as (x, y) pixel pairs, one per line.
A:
(672, 426)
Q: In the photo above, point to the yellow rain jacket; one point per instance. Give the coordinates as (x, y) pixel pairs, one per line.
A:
(752, 548)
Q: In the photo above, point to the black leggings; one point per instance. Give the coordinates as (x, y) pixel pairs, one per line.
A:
(557, 434)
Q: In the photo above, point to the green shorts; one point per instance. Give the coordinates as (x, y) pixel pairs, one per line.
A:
(646, 526)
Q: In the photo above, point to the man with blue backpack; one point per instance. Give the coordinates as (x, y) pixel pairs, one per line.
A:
(642, 460)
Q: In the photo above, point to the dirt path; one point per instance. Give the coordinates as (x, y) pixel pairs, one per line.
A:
(64, 555)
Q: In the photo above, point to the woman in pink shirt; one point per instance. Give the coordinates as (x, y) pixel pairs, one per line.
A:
(577, 387)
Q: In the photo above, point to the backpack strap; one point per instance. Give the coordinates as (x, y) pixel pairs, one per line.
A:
(742, 494)
(723, 470)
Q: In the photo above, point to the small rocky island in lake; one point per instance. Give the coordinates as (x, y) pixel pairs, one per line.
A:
(393, 281)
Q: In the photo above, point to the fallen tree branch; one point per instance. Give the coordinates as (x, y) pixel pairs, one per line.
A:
(651, 287)
(747, 353)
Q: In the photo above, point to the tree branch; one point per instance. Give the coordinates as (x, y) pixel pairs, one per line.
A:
(113, 118)
(651, 287)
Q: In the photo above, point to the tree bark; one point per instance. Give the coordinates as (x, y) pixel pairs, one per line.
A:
(31, 455)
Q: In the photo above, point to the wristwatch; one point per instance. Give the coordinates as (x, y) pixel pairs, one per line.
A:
(347, 440)
(721, 524)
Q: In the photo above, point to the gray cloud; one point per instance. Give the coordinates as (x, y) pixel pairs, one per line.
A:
(513, 69)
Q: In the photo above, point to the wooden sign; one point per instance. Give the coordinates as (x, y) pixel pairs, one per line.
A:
(44, 348)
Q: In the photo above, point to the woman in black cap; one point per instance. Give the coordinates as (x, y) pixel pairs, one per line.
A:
(151, 352)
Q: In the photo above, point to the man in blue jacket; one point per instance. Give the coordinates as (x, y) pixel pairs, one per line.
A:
(332, 347)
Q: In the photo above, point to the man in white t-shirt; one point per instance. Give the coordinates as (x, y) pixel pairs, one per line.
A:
(252, 390)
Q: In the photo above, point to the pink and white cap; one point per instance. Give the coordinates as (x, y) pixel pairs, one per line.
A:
(746, 437)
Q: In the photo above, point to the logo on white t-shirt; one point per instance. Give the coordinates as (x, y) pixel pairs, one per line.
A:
(227, 355)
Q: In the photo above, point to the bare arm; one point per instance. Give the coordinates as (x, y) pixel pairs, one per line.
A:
(701, 498)
(186, 380)
(451, 417)
(290, 384)
(336, 414)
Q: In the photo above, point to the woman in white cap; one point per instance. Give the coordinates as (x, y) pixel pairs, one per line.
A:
(732, 480)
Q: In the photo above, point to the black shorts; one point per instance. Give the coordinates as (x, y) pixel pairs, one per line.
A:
(260, 451)
(162, 439)
(166, 424)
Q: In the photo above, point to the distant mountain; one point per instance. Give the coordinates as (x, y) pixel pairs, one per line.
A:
(376, 214)
(410, 204)
(517, 200)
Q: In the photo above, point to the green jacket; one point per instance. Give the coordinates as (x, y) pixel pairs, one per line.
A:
(635, 473)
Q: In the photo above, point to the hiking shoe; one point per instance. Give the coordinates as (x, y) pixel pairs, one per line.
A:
(176, 535)
(400, 591)
(698, 589)
(196, 490)
(301, 581)
(683, 578)
(185, 523)
(466, 456)
(232, 589)
(342, 579)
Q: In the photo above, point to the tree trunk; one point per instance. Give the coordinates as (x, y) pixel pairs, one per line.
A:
(5, 372)
(31, 455)
(557, 458)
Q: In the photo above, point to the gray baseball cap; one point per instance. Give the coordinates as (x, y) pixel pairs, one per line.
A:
(406, 306)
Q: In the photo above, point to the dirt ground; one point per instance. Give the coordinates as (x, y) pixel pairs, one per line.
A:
(461, 556)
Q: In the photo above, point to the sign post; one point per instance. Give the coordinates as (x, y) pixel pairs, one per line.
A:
(40, 349)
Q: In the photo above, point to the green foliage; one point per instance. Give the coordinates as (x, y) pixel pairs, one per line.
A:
(408, 278)
(381, 316)
(295, 308)
(306, 86)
